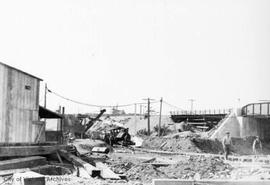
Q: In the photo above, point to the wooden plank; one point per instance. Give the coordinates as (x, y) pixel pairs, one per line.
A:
(246, 159)
(81, 172)
(160, 164)
(8, 107)
(12, 171)
(64, 165)
(91, 170)
(2, 103)
(209, 182)
(27, 162)
(106, 172)
(149, 160)
(17, 151)
(59, 157)
(37, 139)
(98, 149)
(37, 169)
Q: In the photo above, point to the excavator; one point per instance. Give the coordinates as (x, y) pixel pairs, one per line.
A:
(90, 123)
(117, 135)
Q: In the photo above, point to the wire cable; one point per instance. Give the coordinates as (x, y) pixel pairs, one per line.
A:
(172, 105)
(93, 105)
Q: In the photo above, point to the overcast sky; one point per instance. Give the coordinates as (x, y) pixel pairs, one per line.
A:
(119, 51)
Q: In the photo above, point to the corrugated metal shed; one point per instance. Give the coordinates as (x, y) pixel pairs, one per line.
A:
(19, 106)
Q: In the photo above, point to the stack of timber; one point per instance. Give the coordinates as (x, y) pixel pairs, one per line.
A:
(88, 170)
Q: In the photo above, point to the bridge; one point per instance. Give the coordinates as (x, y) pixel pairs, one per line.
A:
(200, 118)
(251, 120)
(257, 110)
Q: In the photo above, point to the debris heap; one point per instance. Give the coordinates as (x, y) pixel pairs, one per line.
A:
(199, 168)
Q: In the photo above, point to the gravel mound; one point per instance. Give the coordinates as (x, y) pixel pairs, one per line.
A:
(184, 142)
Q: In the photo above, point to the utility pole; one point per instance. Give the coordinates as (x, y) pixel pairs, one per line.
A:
(148, 114)
(45, 95)
(191, 104)
(160, 111)
(135, 117)
(62, 126)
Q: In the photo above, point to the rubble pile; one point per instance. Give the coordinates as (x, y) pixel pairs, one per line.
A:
(121, 168)
(145, 173)
(183, 142)
(199, 168)
(254, 173)
(193, 168)
(208, 145)
(105, 124)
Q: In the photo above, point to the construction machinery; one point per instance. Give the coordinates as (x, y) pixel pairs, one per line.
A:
(118, 135)
(112, 136)
(79, 129)
(93, 120)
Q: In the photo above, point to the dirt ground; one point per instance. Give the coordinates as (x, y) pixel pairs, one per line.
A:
(173, 167)
(191, 142)
(141, 167)
(182, 167)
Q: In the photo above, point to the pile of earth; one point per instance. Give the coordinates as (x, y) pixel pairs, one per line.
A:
(194, 168)
(183, 142)
(199, 168)
(145, 173)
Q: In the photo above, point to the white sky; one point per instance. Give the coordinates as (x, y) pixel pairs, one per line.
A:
(120, 51)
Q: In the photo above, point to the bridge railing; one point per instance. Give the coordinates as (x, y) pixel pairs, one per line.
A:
(202, 112)
(257, 109)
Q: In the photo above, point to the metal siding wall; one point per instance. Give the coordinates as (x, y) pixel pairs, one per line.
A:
(18, 106)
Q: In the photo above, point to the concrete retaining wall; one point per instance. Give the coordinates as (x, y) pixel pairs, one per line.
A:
(255, 127)
(231, 124)
(240, 126)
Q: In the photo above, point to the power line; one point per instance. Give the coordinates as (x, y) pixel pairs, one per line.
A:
(172, 105)
(93, 105)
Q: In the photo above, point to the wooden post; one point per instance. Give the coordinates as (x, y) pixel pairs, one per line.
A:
(160, 111)
(91, 170)
(62, 125)
(45, 96)
(148, 115)
(59, 122)
(59, 157)
(135, 118)
(268, 111)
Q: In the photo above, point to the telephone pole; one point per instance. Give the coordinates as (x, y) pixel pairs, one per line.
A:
(135, 117)
(148, 114)
(191, 104)
(45, 95)
(160, 111)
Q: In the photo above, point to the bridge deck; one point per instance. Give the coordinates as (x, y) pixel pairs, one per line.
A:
(258, 110)
(212, 116)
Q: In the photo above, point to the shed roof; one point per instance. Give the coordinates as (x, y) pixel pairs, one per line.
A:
(1, 63)
(46, 113)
